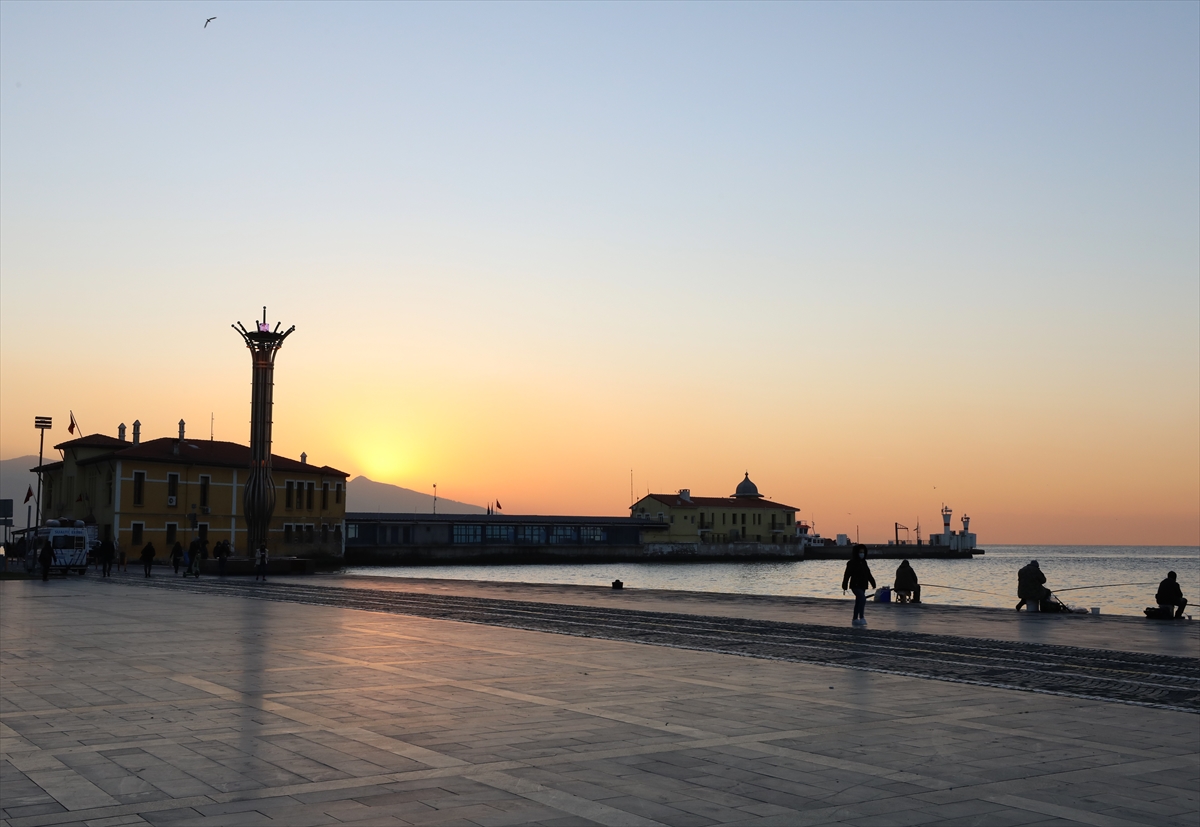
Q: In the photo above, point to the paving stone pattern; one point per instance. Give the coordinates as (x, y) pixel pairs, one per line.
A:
(179, 707)
(1129, 677)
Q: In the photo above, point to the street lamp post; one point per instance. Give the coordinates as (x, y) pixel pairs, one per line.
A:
(43, 424)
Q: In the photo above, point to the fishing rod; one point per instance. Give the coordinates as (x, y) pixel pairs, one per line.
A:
(958, 589)
(1105, 586)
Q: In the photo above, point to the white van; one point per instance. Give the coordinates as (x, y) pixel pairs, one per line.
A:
(71, 545)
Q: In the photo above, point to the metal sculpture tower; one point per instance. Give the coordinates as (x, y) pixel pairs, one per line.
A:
(258, 501)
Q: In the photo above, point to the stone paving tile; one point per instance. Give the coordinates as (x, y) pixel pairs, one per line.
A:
(284, 713)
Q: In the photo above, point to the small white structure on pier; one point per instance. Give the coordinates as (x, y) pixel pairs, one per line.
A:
(954, 540)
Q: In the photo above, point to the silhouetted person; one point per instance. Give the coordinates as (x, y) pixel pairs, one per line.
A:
(107, 552)
(906, 585)
(261, 559)
(857, 576)
(221, 552)
(1170, 596)
(148, 557)
(177, 555)
(1031, 587)
(46, 558)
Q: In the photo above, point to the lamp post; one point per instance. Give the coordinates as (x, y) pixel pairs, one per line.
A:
(258, 499)
(43, 424)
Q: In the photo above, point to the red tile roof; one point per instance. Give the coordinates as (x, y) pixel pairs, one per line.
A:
(205, 452)
(676, 501)
(92, 441)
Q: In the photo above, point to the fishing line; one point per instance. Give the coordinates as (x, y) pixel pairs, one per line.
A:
(958, 589)
(1105, 586)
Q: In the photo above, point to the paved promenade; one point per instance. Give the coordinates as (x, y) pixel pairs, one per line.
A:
(121, 704)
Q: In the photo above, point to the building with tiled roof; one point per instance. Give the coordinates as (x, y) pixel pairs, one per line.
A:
(744, 517)
(175, 489)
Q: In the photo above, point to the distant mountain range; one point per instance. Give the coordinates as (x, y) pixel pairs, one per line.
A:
(362, 494)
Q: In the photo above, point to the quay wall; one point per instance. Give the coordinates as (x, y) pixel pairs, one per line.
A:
(440, 555)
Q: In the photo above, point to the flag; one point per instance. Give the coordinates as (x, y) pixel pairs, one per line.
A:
(73, 427)
(28, 496)
(498, 506)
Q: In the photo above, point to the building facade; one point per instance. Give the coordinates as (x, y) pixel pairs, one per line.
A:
(745, 517)
(175, 489)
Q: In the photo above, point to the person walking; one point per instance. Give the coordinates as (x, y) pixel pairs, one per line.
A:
(1031, 587)
(107, 553)
(857, 576)
(906, 586)
(177, 555)
(1170, 596)
(261, 559)
(46, 558)
(221, 551)
(197, 553)
(148, 557)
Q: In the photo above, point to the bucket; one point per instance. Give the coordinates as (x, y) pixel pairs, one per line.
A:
(883, 595)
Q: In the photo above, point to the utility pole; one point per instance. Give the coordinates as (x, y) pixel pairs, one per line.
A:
(43, 424)
(435, 498)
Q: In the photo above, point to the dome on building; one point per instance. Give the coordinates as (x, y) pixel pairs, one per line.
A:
(746, 488)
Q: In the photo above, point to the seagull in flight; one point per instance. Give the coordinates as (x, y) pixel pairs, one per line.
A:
(209, 20)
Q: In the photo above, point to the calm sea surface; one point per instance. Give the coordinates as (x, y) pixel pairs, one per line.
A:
(991, 578)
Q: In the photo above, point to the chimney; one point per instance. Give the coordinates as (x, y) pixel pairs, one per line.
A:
(121, 432)
(303, 458)
(137, 431)
(181, 430)
(685, 494)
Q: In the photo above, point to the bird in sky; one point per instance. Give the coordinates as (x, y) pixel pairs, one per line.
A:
(209, 20)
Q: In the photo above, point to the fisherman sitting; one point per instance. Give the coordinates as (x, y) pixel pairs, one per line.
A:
(1031, 587)
(1170, 596)
(906, 586)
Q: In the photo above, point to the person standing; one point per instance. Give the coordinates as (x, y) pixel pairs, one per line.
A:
(107, 553)
(261, 558)
(46, 558)
(906, 586)
(857, 576)
(1170, 596)
(177, 555)
(1031, 587)
(148, 557)
(197, 552)
(222, 553)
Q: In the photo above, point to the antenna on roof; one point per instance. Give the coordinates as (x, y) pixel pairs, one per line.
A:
(212, 419)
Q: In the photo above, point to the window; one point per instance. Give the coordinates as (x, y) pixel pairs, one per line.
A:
(172, 531)
(308, 532)
(325, 526)
(592, 534)
(500, 534)
(563, 534)
(202, 532)
(308, 498)
(287, 532)
(110, 487)
(722, 518)
(136, 533)
(531, 534)
(324, 495)
(337, 494)
(468, 534)
(204, 481)
(139, 487)
(172, 485)
(289, 491)
(351, 531)
(337, 532)
(672, 518)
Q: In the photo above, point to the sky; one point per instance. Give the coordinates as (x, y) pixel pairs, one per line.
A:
(880, 256)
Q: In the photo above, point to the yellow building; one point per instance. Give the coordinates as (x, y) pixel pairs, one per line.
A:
(746, 517)
(170, 489)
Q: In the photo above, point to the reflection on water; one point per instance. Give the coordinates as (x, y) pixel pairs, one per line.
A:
(991, 579)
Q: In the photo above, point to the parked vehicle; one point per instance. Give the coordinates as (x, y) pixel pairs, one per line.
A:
(72, 546)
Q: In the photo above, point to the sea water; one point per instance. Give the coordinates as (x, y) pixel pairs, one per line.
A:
(986, 580)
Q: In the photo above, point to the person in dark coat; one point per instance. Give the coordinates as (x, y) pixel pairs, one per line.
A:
(906, 585)
(857, 576)
(148, 557)
(221, 552)
(1170, 595)
(46, 558)
(1031, 586)
(107, 552)
(261, 560)
(177, 555)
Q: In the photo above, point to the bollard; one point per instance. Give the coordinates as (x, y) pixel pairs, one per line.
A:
(617, 584)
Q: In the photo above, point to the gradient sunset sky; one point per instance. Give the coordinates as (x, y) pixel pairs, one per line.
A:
(881, 256)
